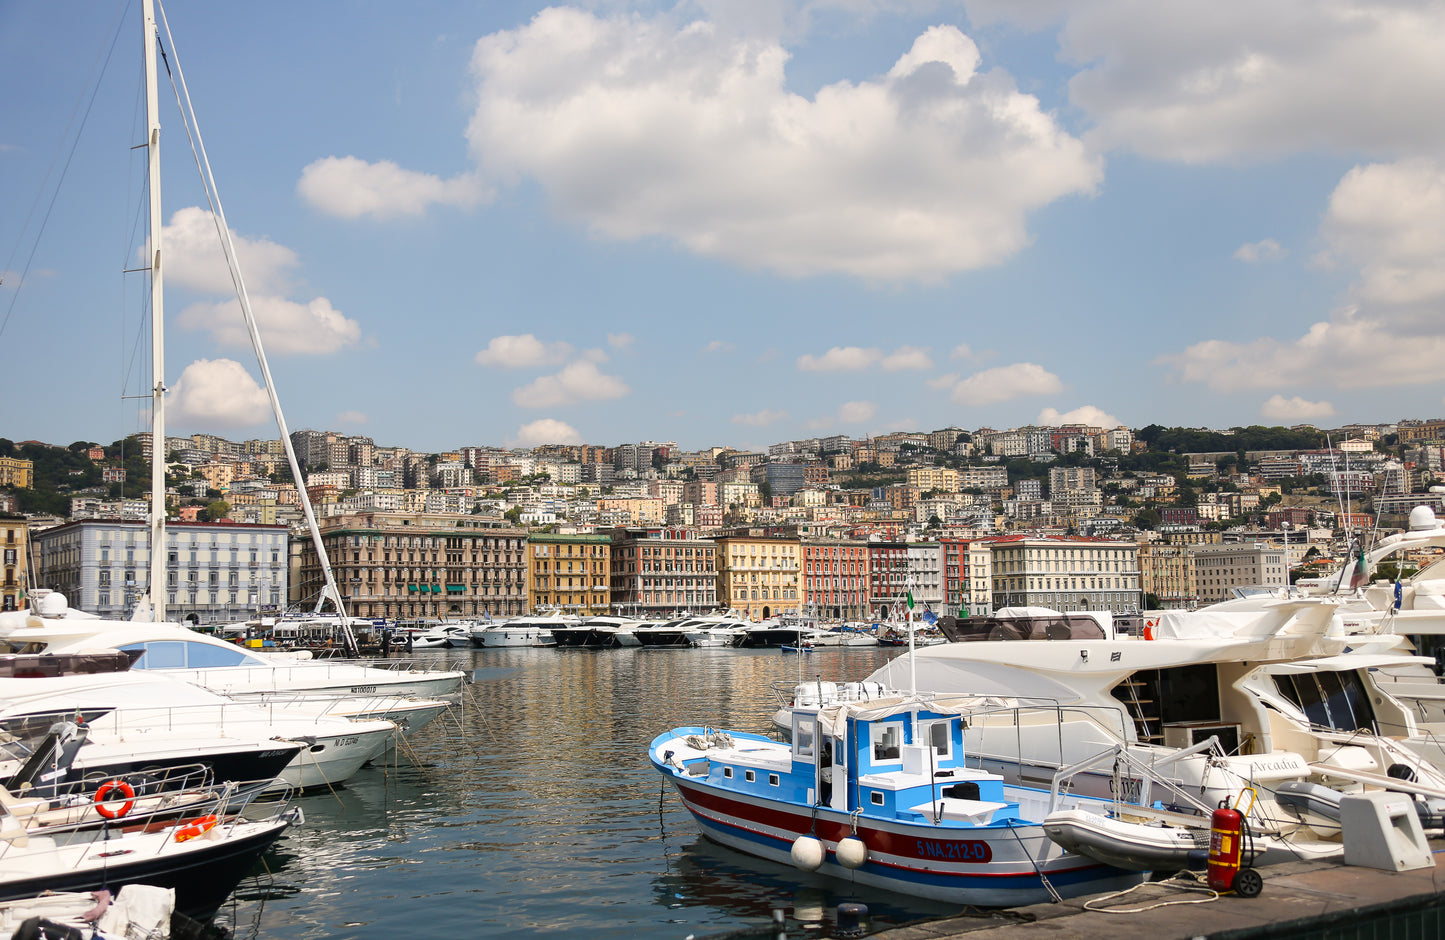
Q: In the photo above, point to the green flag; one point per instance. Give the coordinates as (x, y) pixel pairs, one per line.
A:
(910, 600)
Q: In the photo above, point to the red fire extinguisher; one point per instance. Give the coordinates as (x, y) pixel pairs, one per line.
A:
(1227, 871)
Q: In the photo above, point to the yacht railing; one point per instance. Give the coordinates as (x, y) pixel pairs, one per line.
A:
(1148, 774)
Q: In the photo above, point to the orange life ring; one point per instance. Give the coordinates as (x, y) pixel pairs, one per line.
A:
(193, 828)
(126, 790)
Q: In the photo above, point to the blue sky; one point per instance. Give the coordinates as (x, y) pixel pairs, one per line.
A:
(732, 223)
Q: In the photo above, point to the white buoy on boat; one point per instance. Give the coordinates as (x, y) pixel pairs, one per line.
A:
(807, 853)
(852, 852)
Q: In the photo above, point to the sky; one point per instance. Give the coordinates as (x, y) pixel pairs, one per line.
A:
(730, 222)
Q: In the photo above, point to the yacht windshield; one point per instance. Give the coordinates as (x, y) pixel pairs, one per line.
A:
(1335, 700)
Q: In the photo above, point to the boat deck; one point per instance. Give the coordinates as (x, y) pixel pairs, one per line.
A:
(1300, 900)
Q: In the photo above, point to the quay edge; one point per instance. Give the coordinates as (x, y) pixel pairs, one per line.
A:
(1300, 900)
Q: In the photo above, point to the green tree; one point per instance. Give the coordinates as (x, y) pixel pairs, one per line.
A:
(216, 511)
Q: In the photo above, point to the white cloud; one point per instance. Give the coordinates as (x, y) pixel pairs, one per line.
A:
(1006, 383)
(910, 358)
(1387, 220)
(217, 393)
(1087, 415)
(193, 258)
(1227, 79)
(621, 341)
(856, 412)
(349, 188)
(719, 346)
(840, 359)
(579, 381)
(314, 328)
(1295, 409)
(941, 382)
(353, 417)
(857, 359)
(965, 352)
(522, 352)
(1261, 251)
(760, 419)
(689, 132)
(545, 431)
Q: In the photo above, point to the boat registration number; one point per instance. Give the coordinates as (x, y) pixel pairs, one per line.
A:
(960, 851)
(347, 742)
(362, 689)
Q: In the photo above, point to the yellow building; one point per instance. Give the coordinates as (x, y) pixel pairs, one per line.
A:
(12, 543)
(759, 576)
(569, 572)
(17, 472)
(941, 479)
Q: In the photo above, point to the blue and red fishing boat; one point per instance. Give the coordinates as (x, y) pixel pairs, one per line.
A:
(879, 793)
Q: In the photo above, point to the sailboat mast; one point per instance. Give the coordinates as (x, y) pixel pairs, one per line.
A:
(156, 586)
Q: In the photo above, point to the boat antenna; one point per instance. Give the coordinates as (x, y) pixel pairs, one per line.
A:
(218, 215)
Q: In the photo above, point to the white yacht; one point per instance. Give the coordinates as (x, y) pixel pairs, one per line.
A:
(1276, 687)
(531, 630)
(720, 628)
(135, 711)
(210, 661)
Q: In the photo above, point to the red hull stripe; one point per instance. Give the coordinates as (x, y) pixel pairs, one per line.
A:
(969, 853)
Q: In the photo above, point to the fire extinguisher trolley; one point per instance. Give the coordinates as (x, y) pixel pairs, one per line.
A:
(1230, 841)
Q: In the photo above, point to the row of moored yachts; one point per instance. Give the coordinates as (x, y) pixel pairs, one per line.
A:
(719, 629)
(149, 754)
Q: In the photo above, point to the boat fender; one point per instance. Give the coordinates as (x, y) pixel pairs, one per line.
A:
(807, 853)
(852, 852)
(103, 795)
(194, 828)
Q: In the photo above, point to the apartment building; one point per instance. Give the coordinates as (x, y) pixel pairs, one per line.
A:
(887, 578)
(1215, 570)
(835, 579)
(940, 479)
(419, 565)
(1165, 573)
(215, 572)
(17, 472)
(13, 541)
(569, 572)
(1065, 573)
(660, 572)
(759, 576)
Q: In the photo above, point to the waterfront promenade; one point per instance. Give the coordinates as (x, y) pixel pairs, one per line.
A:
(1300, 900)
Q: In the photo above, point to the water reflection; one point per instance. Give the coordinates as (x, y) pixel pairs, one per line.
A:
(532, 809)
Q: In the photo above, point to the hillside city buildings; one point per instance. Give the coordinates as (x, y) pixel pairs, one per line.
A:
(829, 528)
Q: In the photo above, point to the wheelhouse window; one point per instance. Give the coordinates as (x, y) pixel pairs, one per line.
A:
(805, 739)
(886, 739)
(940, 739)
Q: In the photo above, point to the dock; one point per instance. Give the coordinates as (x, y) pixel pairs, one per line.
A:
(1301, 900)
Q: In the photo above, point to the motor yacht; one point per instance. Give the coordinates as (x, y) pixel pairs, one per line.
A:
(210, 661)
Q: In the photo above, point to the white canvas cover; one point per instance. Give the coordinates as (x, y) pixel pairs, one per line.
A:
(139, 912)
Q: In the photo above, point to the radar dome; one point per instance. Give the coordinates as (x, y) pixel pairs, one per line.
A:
(53, 605)
(1421, 518)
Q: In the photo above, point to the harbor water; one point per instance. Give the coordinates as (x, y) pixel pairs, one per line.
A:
(533, 810)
